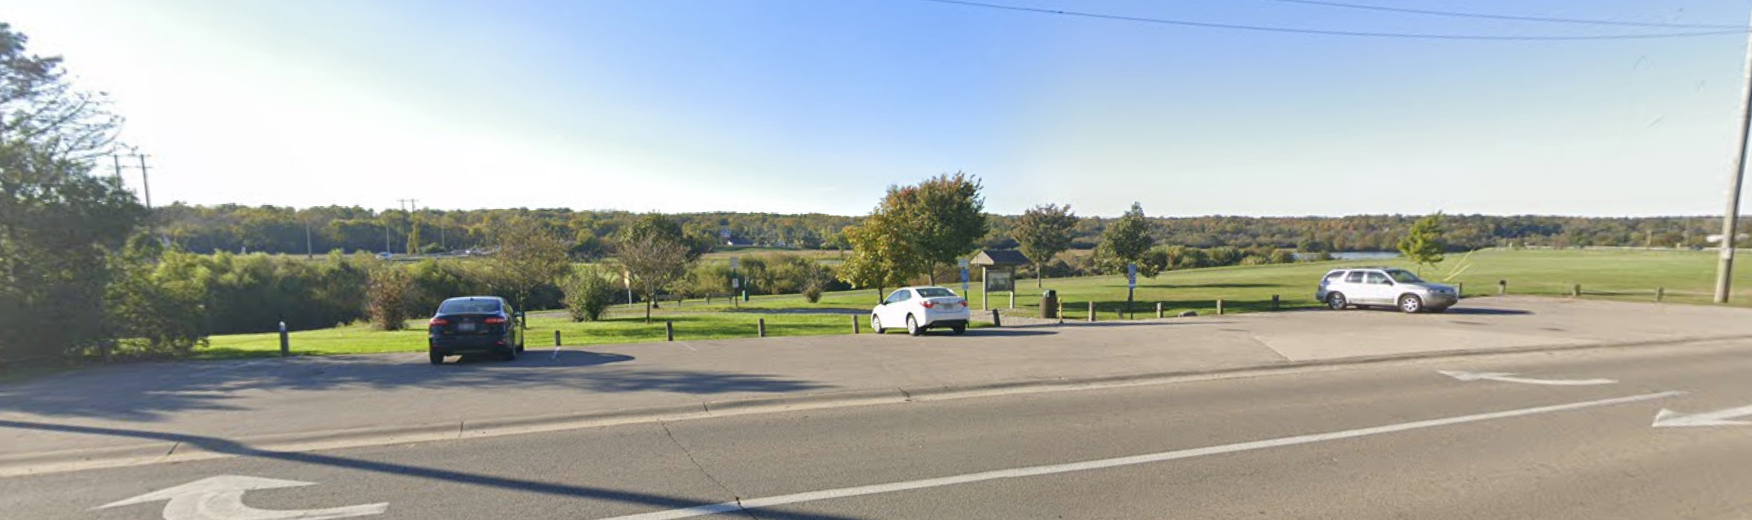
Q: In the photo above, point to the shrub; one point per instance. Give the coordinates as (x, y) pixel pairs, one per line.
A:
(589, 292)
(390, 298)
(152, 312)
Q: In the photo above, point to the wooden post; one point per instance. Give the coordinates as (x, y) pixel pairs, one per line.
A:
(760, 328)
(556, 337)
(1576, 290)
(1275, 303)
(285, 341)
(1091, 312)
(669, 330)
(854, 324)
(1219, 306)
(1158, 310)
(1012, 293)
(1660, 293)
(1459, 289)
(1502, 287)
(997, 321)
(1061, 312)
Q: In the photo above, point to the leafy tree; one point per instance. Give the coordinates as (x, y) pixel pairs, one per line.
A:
(1043, 232)
(882, 255)
(58, 223)
(390, 298)
(1126, 241)
(153, 312)
(1424, 244)
(528, 254)
(652, 261)
(943, 217)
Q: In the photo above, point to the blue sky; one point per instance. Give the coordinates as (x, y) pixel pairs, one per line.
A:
(817, 105)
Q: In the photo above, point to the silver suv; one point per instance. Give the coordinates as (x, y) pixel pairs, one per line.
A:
(1384, 286)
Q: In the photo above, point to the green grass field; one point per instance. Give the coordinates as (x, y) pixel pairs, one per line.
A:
(1688, 277)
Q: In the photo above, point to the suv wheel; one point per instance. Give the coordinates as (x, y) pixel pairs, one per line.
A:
(1410, 303)
(1336, 301)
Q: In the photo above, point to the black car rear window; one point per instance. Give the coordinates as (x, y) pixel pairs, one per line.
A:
(479, 306)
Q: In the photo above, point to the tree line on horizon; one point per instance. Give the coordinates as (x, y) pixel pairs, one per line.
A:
(590, 233)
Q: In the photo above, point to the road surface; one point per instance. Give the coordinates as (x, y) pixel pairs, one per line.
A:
(1542, 435)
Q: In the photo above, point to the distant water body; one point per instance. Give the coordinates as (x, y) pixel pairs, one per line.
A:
(1354, 255)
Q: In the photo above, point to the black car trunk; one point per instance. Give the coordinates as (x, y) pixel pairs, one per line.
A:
(468, 325)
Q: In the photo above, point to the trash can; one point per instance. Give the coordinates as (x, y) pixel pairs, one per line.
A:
(1049, 304)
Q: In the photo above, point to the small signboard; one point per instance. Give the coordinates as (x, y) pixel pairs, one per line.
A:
(733, 263)
(963, 264)
(998, 280)
(735, 283)
(964, 279)
(1131, 276)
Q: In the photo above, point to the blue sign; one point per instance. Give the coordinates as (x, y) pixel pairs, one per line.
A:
(1131, 275)
(964, 280)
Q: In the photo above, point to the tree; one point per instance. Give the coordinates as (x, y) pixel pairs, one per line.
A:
(589, 292)
(1043, 232)
(58, 223)
(943, 217)
(652, 261)
(881, 256)
(1126, 241)
(527, 255)
(1424, 244)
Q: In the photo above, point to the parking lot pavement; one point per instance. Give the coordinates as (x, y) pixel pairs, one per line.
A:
(399, 396)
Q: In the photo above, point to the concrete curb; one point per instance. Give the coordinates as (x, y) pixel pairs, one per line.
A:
(171, 451)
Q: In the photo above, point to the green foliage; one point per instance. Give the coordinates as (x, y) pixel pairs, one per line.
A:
(881, 255)
(391, 298)
(1125, 241)
(943, 217)
(1424, 245)
(153, 312)
(1044, 231)
(654, 255)
(528, 254)
(589, 292)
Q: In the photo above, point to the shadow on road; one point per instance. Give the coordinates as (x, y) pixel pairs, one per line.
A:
(1485, 311)
(230, 447)
(149, 392)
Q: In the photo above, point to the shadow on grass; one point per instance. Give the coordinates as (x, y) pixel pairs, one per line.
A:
(231, 447)
(151, 392)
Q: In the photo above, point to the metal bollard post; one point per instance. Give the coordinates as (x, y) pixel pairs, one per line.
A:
(1091, 312)
(996, 320)
(760, 328)
(285, 341)
(854, 324)
(669, 330)
(1660, 293)
(556, 337)
(1012, 299)
(1274, 303)
(1219, 306)
(1158, 310)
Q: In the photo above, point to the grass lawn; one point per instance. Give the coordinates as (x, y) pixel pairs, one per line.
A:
(1688, 277)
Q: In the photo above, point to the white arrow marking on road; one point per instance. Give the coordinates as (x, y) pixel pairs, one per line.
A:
(221, 498)
(756, 503)
(1507, 377)
(1669, 419)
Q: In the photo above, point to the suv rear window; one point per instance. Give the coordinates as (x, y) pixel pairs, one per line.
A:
(1334, 276)
(476, 306)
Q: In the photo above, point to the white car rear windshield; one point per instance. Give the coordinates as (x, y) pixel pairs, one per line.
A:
(935, 292)
(468, 307)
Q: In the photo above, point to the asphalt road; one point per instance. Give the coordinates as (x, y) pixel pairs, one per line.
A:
(1397, 440)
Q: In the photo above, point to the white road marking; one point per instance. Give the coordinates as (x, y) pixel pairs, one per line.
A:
(756, 503)
(1669, 419)
(1507, 377)
(221, 498)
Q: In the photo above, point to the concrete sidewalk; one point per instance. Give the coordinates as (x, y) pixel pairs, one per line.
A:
(151, 410)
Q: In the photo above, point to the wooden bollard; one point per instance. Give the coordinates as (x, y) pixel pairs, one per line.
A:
(669, 330)
(854, 324)
(1275, 303)
(1459, 290)
(1219, 306)
(1576, 290)
(1091, 312)
(997, 321)
(760, 328)
(556, 337)
(1502, 287)
(1158, 310)
(1660, 293)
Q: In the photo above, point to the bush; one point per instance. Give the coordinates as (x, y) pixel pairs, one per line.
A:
(588, 294)
(152, 312)
(390, 297)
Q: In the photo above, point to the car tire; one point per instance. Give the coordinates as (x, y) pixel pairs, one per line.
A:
(912, 326)
(436, 358)
(876, 324)
(1411, 304)
(958, 329)
(1336, 301)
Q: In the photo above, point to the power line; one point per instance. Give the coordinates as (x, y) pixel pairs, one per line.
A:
(1513, 17)
(1296, 30)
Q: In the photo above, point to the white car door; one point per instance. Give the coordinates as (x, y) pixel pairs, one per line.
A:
(1379, 288)
(893, 310)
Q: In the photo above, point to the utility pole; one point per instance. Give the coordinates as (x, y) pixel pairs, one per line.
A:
(409, 206)
(1725, 267)
(309, 252)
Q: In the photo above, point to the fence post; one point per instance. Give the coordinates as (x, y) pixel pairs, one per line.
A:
(1459, 290)
(1275, 303)
(997, 321)
(1158, 310)
(285, 341)
(1061, 313)
(1660, 293)
(854, 324)
(556, 337)
(669, 330)
(760, 327)
(1502, 287)
(1576, 290)
(1219, 306)
(1091, 312)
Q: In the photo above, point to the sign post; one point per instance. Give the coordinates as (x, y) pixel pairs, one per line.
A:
(1131, 286)
(735, 284)
(964, 277)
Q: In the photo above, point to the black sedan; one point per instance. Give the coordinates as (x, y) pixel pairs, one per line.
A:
(474, 325)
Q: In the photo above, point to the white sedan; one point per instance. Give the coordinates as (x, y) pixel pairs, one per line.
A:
(921, 308)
